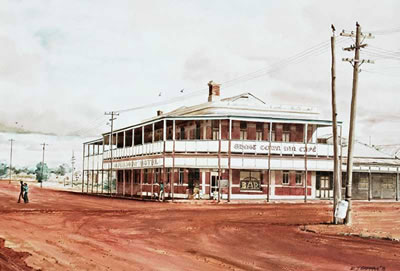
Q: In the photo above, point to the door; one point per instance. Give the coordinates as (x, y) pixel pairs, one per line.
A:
(324, 185)
(214, 182)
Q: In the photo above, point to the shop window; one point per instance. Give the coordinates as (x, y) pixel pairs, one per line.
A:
(250, 180)
(285, 177)
(363, 183)
(387, 184)
(181, 175)
(243, 130)
(259, 131)
(299, 177)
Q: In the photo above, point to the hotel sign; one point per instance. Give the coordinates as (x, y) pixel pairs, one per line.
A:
(276, 148)
(145, 163)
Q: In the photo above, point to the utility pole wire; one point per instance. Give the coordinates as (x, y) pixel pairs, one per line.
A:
(11, 150)
(356, 64)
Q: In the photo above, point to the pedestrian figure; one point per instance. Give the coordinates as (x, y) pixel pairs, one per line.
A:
(161, 194)
(21, 192)
(26, 189)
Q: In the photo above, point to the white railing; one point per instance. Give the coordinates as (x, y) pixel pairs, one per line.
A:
(237, 147)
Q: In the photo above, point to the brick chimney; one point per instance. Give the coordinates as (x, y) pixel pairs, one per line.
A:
(159, 112)
(213, 91)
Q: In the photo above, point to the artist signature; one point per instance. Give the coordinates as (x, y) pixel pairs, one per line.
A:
(368, 268)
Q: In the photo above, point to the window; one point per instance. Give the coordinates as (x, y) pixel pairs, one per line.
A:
(286, 133)
(387, 184)
(168, 175)
(273, 133)
(259, 131)
(250, 180)
(137, 176)
(197, 133)
(181, 175)
(156, 175)
(146, 176)
(182, 134)
(285, 177)
(363, 183)
(324, 182)
(299, 176)
(215, 129)
(243, 130)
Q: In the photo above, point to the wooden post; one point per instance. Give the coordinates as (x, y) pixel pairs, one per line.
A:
(353, 114)
(141, 181)
(305, 162)
(336, 180)
(229, 162)
(83, 168)
(397, 185)
(369, 184)
(131, 182)
(269, 161)
(123, 180)
(173, 160)
(102, 168)
(164, 148)
(219, 162)
(153, 175)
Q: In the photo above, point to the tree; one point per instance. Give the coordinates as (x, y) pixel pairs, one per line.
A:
(3, 169)
(42, 175)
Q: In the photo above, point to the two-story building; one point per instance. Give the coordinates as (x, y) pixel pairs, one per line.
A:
(238, 146)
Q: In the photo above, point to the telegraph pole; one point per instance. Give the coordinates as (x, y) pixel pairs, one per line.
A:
(356, 63)
(112, 114)
(73, 168)
(336, 179)
(44, 148)
(11, 141)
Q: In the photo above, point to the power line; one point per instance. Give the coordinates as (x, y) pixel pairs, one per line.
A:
(297, 58)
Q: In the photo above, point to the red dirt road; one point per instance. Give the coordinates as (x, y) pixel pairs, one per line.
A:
(67, 231)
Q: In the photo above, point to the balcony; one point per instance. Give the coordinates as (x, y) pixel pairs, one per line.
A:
(212, 146)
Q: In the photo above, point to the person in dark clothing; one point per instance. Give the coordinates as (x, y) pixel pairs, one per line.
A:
(26, 189)
(21, 192)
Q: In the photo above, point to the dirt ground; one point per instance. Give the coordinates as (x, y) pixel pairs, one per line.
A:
(67, 231)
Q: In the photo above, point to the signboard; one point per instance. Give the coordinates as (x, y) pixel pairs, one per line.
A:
(276, 148)
(134, 163)
(341, 209)
(224, 183)
(250, 184)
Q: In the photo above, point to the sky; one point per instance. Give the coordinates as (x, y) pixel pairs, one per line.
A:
(64, 63)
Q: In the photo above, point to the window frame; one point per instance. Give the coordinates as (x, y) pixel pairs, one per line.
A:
(285, 177)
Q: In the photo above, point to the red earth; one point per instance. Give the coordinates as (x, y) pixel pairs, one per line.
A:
(61, 230)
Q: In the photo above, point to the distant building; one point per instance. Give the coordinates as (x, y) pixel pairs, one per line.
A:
(239, 146)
